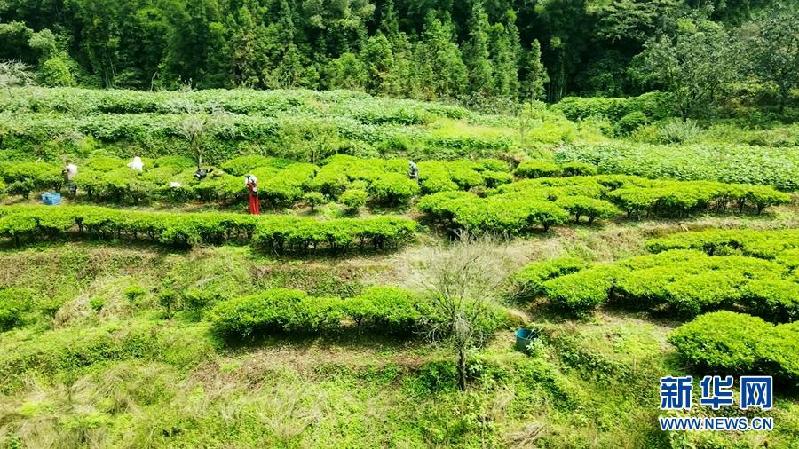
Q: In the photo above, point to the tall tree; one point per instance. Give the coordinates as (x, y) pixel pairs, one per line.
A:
(378, 57)
(696, 65)
(440, 61)
(504, 62)
(534, 74)
(774, 48)
(477, 55)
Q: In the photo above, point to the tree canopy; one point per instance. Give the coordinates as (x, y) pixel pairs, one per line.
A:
(428, 49)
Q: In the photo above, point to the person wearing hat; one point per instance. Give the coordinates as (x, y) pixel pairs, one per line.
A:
(251, 182)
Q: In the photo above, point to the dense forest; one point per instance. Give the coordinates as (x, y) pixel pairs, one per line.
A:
(428, 49)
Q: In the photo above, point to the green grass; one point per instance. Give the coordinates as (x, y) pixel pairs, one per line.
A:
(127, 376)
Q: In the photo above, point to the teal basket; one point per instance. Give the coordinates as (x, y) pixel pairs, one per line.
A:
(51, 198)
(524, 337)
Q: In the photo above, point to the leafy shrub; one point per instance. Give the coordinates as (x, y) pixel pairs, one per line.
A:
(274, 311)
(730, 164)
(386, 309)
(314, 199)
(278, 311)
(393, 189)
(686, 282)
(537, 169)
(579, 292)
(104, 163)
(629, 123)
(725, 341)
(244, 165)
(581, 206)
(14, 303)
(736, 343)
(276, 233)
(353, 199)
(748, 242)
(576, 168)
(652, 104)
(529, 281)
(134, 292)
(174, 162)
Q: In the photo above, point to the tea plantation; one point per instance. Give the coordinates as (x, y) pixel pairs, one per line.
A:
(368, 308)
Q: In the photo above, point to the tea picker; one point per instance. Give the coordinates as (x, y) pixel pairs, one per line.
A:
(69, 172)
(413, 170)
(251, 182)
(136, 165)
(202, 173)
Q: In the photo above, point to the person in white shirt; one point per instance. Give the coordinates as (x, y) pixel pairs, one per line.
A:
(136, 164)
(69, 172)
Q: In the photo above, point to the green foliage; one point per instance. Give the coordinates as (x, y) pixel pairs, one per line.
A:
(686, 282)
(737, 343)
(579, 292)
(650, 105)
(576, 168)
(629, 123)
(694, 65)
(274, 311)
(244, 165)
(728, 164)
(276, 233)
(517, 207)
(281, 311)
(393, 189)
(762, 244)
(537, 169)
(386, 309)
(528, 283)
(314, 199)
(678, 131)
(353, 199)
(14, 306)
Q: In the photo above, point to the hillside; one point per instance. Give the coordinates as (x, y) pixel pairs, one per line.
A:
(149, 310)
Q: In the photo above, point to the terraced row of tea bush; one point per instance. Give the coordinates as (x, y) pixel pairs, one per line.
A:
(682, 281)
(282, 183)
(385, 310)
(775, 166)
(275, 233)
(780, 244)
(736, 343)
(543, 202)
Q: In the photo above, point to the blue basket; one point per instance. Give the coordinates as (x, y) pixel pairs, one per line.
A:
(524, 337)
(51, 198)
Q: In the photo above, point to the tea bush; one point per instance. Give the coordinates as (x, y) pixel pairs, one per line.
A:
(518, 207)
(579, 292)
(684, 282)
(763, 244)
(736, 343)
(281, 311)
(386, 309)
(651, 104)
(275, 311)
(537, 169)
(529, 282)
(276, 233)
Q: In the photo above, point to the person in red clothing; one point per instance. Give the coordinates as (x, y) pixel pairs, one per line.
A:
(252, 187)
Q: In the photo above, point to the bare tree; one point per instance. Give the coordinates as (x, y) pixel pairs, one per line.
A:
(463, 281)
(14, 73)
(199, 123)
